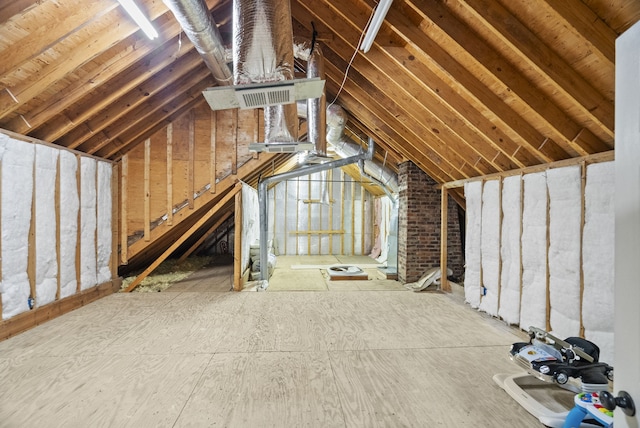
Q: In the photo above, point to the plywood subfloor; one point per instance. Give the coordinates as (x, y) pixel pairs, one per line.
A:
(306, 273)
(199, 355)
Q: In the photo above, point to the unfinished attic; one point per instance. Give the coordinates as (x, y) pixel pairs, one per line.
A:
(347, 211)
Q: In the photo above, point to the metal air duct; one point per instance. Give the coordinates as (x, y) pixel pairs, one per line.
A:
(198, 24)
(336, 122)
(310, 52)
(263, 52)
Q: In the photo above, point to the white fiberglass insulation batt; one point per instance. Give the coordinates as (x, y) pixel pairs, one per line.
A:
(490, 247)
(17, 191)
(598, 258)
(46, 279)
(533, 308)
(104, 234)
(565, 201)
(250, 224)
(88, 277)
(510, 249)
(473, 197)
(277, 224)
(380, 250)
(69, 206)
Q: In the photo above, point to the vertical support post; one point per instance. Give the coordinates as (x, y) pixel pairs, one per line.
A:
(353, 217)
(124, 200)
(309, 208)
(212, 164)
(362, 194)
(297, 215)
(147, 190)
(342, 211)
(115, 221)
(275, 210)
(256, 130)
(79, 231)
(96, 213)
(56, 199)
(444, 217)
(234, 152)
(31, 264)
(583, 184)
(191, 163)
(548, 276)
(520, 238)
(286, 203)
(330, 178)
(170, 174)
(0, 234)
(237, 244)
(500, 214)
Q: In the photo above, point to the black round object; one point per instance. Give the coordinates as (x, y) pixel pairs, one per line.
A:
(588, 347)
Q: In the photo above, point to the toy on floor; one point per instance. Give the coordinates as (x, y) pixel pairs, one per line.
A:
(600, 406)
(571, 364)
(554, 360)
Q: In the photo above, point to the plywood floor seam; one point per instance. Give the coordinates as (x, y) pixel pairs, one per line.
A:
(198, 355)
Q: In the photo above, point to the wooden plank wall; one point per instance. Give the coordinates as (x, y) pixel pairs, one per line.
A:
(176, 170)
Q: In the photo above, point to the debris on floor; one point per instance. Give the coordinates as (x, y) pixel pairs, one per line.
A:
(167, 273)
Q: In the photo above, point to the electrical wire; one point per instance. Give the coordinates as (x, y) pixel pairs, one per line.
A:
(353, 57)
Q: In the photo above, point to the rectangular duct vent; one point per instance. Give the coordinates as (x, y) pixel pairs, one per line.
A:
(255, 98)
(280, 147)
(259, 95)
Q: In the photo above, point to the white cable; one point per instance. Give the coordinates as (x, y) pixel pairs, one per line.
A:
(346, 71)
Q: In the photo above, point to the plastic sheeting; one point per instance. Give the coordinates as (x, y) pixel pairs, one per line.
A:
(490, 247)
(46, 279)
(510, 250)
(473, 196)
(533, 309)
(565, 202)
(598, 258)
(17, 188)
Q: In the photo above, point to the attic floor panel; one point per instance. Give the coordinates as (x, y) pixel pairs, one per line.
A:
(200, 355)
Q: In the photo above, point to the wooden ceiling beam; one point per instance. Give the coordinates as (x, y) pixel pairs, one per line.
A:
(391, 83)
(509, 31)
(420, 138)
(110, 30)
(480, 136)
(476, 132)
(120, 107)
(131, 52)
(11, 9)
(590, 27)
(115, 60)
(535, 107)
(462, 81)
(138, 117)
(151, 115)
(71, 16)
(382, 124)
